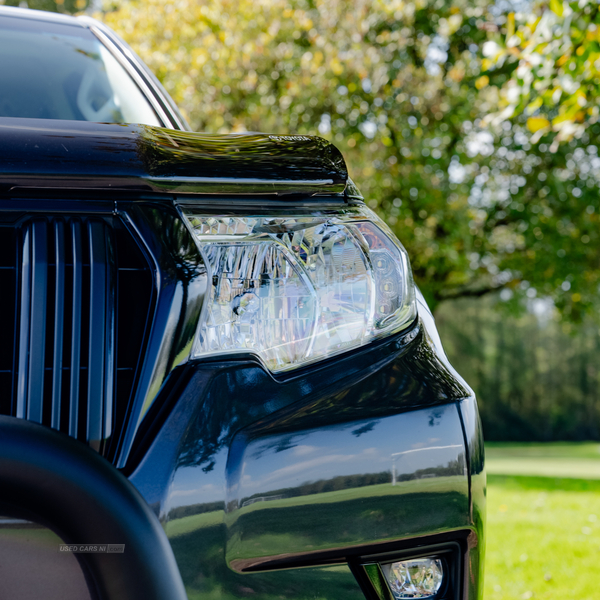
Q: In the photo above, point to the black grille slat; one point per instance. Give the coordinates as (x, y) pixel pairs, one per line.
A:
(37, 334)
(34, 287)
(25, 309)
(59, 310)
(75, 328)
(110, 329)
(98, 366)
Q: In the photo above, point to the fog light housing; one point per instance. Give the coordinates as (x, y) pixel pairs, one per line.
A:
(414, 578)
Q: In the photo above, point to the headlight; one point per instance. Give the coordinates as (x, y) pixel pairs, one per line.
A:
(294, 289)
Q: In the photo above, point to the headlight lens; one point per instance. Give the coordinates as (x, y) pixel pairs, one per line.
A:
(297, 289)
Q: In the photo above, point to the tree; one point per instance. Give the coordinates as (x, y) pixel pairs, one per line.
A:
(421, 99)
(64, 6)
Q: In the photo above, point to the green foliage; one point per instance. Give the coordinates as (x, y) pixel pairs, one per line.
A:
(422, 99)
(553, 57)
(535, 376)
(64, 6)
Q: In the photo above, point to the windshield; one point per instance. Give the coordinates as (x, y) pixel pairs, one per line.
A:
(56, 71)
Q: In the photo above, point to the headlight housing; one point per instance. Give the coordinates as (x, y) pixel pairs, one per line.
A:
(297, 288)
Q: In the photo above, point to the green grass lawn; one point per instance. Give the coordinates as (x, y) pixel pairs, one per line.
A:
(543, 536)
(558, 459)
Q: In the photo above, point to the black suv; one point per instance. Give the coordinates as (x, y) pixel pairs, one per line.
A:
(218, 378)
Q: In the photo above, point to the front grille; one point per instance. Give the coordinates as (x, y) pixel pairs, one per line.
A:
(76, 296)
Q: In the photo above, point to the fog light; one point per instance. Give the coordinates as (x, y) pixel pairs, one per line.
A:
(416, 578)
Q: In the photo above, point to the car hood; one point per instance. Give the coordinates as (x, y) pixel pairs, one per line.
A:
(41, 154)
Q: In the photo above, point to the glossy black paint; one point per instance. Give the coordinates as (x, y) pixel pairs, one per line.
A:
(52, 479)
(475, 548)
(477, 498)
(410, 468)
(181, 283)
(382, 379)
(77, 155)
(231, 419)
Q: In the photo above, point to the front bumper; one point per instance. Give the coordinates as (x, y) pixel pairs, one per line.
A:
(286, 487)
